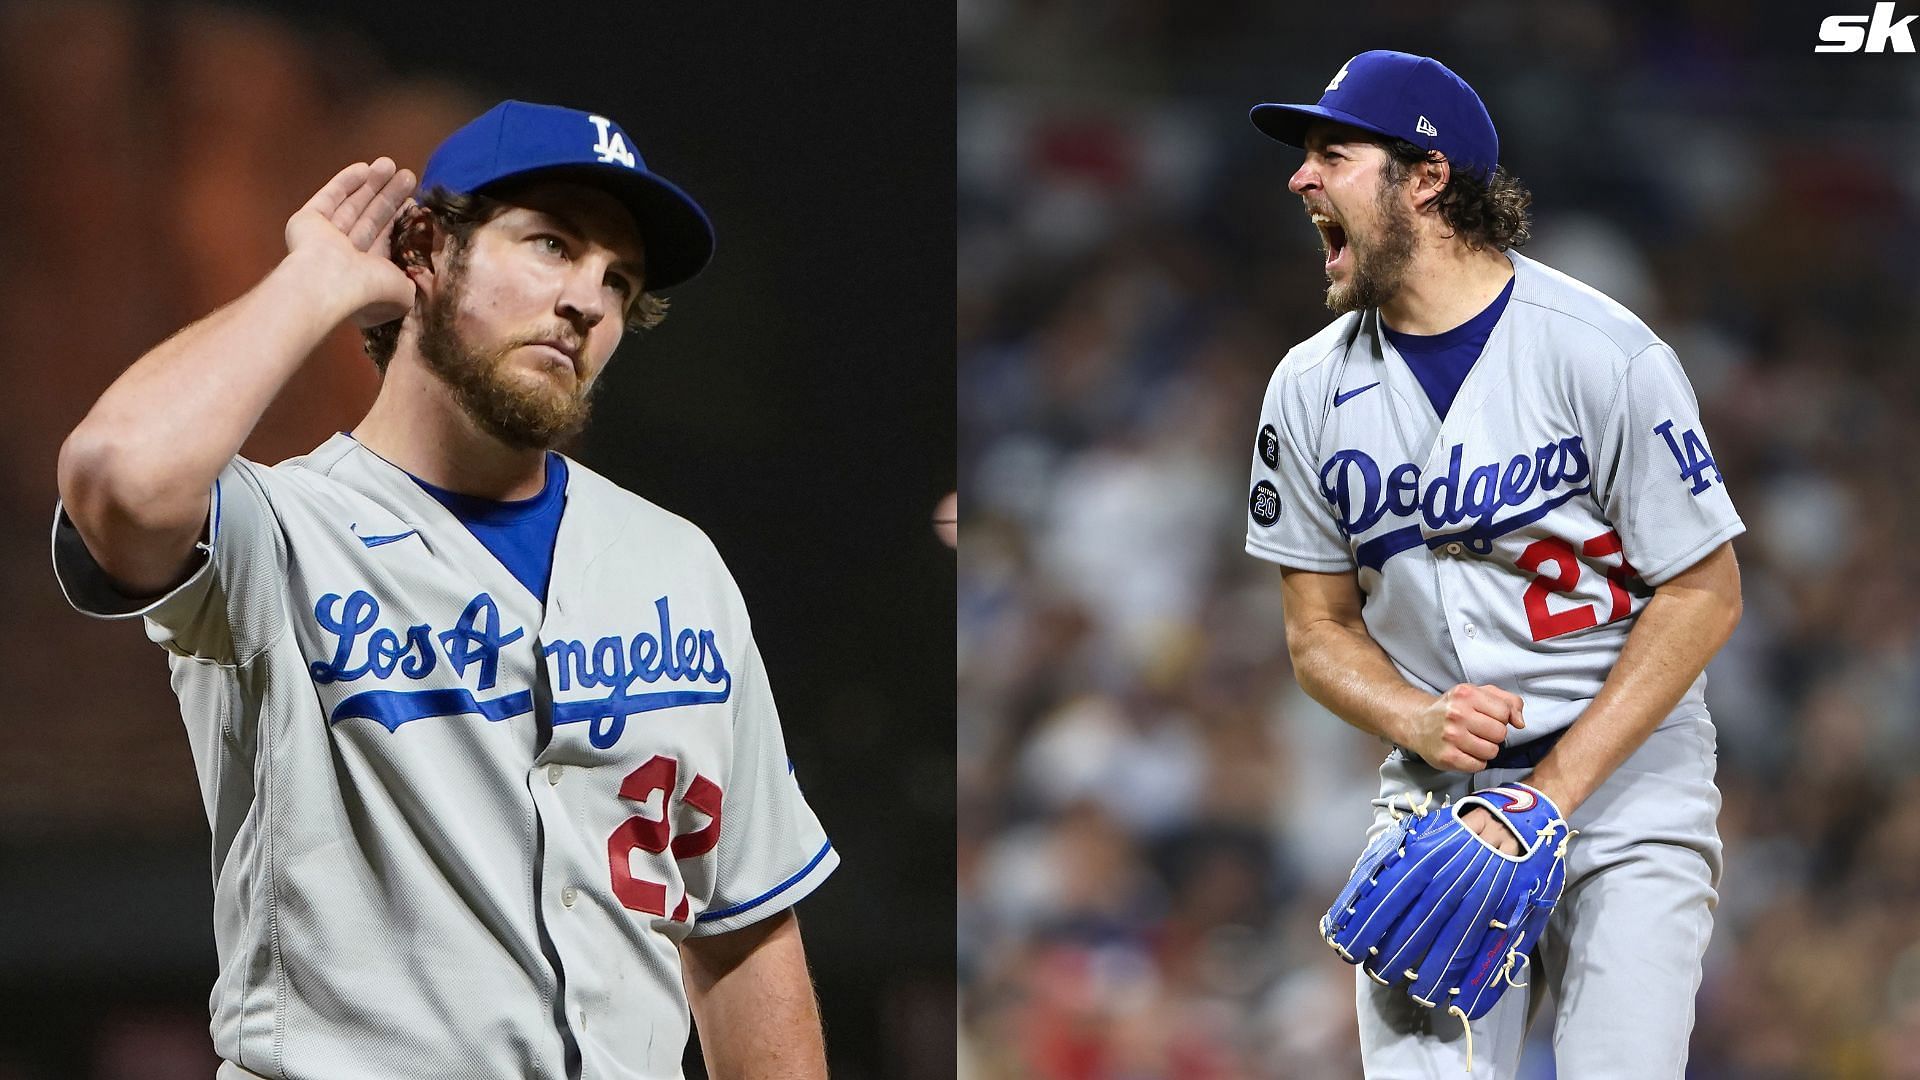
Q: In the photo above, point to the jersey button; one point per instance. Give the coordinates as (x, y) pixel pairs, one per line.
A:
(568, 895)
(1471, 631)
(553, 774)
(1453, 549)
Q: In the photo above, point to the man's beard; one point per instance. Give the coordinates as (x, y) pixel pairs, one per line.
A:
(1380, 267)
(529, 417)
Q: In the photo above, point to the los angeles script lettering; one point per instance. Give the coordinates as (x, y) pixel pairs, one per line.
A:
(476, 640)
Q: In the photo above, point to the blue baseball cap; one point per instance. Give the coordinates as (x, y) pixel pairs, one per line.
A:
(517, 140)
(1400, 95)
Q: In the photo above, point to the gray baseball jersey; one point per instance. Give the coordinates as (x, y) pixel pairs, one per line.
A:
(1514, 542)
(455, 832)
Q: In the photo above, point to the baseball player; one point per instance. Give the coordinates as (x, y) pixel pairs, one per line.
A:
(496, 784)
(1505, 550)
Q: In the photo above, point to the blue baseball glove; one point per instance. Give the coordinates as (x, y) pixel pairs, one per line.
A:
(1434, 909)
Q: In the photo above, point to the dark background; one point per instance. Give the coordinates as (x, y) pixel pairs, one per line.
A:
(797, 404)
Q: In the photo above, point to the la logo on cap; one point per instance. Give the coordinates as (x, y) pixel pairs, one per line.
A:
(614, 148)
(1335, 84)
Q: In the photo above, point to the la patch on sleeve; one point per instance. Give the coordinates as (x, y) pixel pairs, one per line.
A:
(1691, 454)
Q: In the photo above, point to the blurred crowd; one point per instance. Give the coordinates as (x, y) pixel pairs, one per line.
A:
(1152, 815)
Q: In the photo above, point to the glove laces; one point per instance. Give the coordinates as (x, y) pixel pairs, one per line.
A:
(1515, 958)
(1466, 1026)
(1415, 807)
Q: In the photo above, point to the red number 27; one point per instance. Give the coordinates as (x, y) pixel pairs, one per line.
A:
(655, 835)
(1566, 563)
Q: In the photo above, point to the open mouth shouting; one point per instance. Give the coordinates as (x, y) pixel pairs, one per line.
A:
(1333, 238)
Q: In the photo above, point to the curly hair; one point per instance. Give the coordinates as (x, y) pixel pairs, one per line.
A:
(459, 215)
(1486, 211)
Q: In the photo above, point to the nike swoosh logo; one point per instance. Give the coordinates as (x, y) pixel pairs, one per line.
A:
(376, 541)
(1342, 399)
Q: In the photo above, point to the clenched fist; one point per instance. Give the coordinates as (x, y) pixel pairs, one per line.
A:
(1464, 728)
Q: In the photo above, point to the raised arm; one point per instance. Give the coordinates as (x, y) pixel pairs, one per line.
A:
(135, 475)
(1339, 665)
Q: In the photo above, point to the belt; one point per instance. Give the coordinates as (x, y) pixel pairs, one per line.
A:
(1524, 756)
(1527, 754)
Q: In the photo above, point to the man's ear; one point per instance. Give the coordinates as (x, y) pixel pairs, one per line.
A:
(1430, 178)
(416, 241)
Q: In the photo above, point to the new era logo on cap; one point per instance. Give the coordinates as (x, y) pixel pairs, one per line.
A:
(1398, 95)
